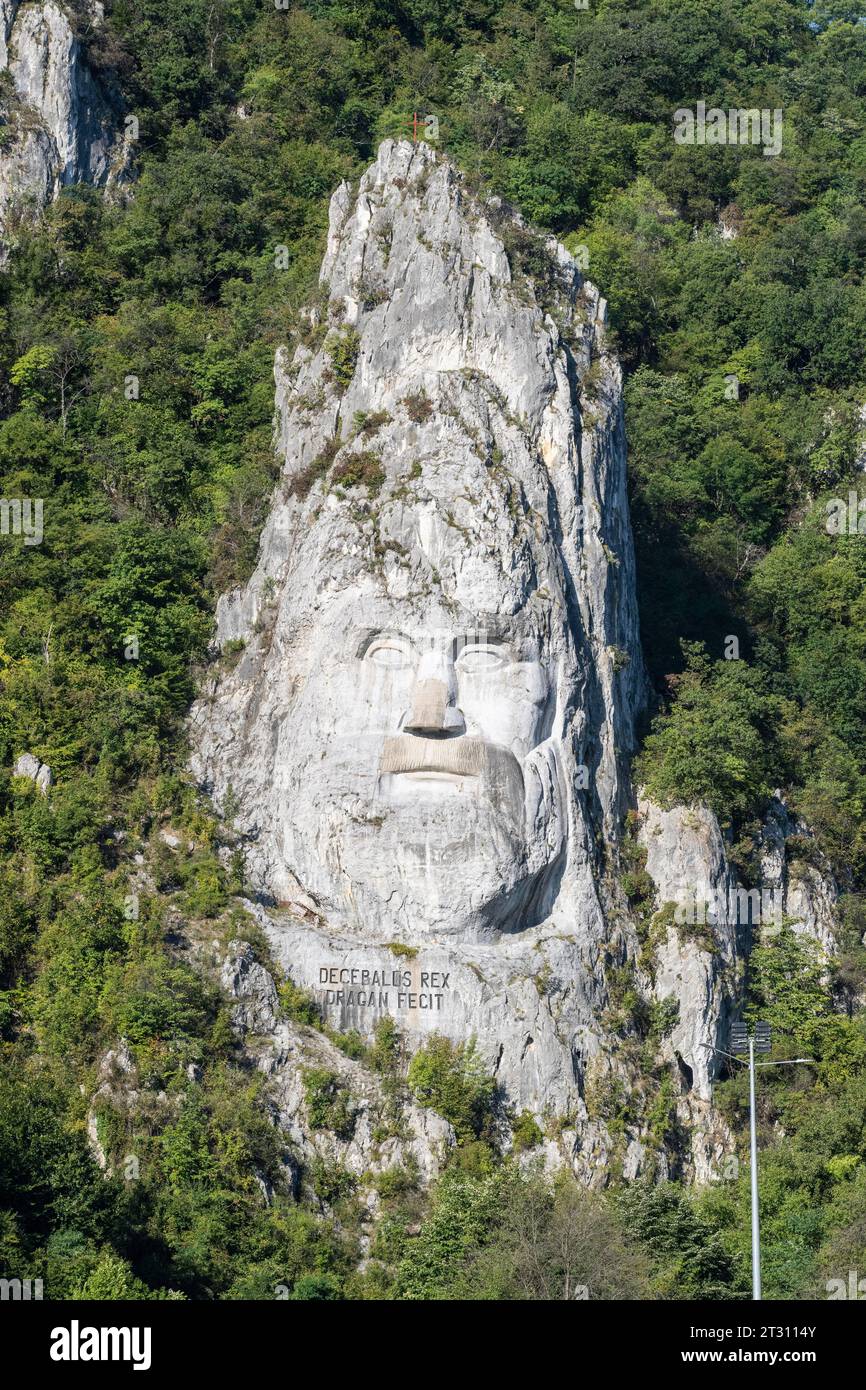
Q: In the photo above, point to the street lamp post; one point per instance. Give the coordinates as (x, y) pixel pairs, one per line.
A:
(758, 1042)
(743, 1042)
(753, 1149)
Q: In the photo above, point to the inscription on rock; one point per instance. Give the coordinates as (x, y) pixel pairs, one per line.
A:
(388, 989)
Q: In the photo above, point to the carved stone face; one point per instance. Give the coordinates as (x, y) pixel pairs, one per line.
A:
(417, 783)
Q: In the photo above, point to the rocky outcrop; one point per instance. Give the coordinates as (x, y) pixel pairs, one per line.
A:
(796, 877)
(695, 953)
(59, 124)
(374, 1132)
(116, 1091)
(425, 742)
(693, 967)
(708, 920)
(40, 773)
(336, 1115)
(704, 927)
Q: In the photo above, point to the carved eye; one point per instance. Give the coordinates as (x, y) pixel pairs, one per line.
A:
(388, 652)
(478, 659)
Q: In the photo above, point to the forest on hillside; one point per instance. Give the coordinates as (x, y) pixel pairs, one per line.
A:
(736, 287)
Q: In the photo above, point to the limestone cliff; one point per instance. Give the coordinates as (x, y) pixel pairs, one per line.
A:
(58, 124)
(705, 924)
(452, 528)
(422, 722)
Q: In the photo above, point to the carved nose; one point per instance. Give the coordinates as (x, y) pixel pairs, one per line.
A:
(434, 698)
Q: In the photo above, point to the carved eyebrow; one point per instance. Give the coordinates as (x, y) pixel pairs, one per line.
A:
(523, 645)
(478, 637)
(372, 634)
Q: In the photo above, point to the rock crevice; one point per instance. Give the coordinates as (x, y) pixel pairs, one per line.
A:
(60, 124)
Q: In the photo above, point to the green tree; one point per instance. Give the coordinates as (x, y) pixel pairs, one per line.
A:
(715, 743)
(450, 1078)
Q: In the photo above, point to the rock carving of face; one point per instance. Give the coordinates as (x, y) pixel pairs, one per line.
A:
(417, 780)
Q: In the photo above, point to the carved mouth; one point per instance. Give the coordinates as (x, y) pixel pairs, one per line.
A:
(459, 757)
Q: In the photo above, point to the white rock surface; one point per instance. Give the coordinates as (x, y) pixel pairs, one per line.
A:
(40, 773)
(708, 924)
(286, 1052)
(695, 961)
(116, 1086)
(428, 731)
(63, 126)
(804, 888)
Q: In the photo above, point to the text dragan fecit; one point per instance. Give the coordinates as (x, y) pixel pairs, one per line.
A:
(359, 987)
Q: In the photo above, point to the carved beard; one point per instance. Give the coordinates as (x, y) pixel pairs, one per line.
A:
(419, 851)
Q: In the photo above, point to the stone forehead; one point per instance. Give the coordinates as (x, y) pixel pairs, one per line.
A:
(416, 560)
(348, 615)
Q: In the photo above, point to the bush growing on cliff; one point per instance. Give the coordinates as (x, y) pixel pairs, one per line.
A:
(450, 1078)
(329, 1105)
(788, 975)
(342, 349)
(715, 745)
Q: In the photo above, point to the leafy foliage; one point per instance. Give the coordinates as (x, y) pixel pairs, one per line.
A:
(451, 1078)
(136, 399)
(716, 745)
